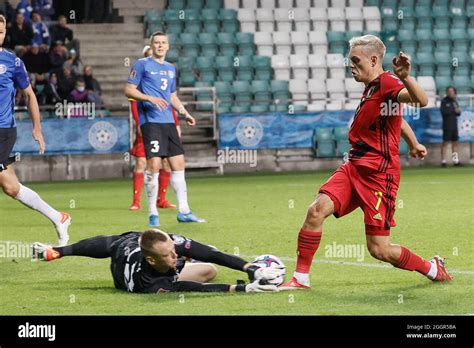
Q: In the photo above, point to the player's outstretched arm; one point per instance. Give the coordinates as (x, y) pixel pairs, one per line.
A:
(184, 286)
(413, 93)
(33, 109)
(206, 253)
(131, 91)
(417, 150)
(178, 105)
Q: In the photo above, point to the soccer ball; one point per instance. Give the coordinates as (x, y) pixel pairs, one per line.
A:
(271, 261)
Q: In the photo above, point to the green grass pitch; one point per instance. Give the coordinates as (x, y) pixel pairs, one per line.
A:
(249, 215)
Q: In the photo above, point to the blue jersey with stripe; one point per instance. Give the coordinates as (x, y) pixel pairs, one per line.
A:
(13, 74)
(154, 79)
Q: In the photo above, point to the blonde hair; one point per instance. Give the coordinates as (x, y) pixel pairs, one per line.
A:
(149, 238)
(370, 44)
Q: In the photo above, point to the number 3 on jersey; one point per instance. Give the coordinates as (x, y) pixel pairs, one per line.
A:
(155, 146)
(164, 84)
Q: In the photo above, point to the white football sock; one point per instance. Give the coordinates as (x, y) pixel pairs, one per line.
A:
(302, 278)
(151, 187)
(32, 200)
(433, 272)
(179, 186)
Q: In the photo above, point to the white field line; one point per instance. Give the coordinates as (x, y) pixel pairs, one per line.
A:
(317, 261)
(357, 264)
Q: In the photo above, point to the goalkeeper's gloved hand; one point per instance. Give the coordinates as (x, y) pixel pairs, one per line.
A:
(260, 286)
(256, 273)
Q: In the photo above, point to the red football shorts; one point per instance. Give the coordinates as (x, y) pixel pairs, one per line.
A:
(350, 187)
(138, 149)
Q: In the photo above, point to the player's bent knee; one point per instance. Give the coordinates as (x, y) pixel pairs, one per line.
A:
(211, 272)
(177, 163)
(380, 252)
(11, 190)
(153, 165)
(319, 210)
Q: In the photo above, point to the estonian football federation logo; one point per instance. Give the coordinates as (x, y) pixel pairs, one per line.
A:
(171, 74)
(249, 132)
(103, 136)
(3, 69)
(466, 124)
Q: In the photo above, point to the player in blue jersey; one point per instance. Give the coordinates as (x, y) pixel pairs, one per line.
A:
(13, 75)
(152, 83)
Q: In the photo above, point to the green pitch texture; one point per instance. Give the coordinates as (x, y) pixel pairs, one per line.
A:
(249, 215)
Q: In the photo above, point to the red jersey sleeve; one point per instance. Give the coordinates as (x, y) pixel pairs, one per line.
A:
(391, 86)
(134, 107)
(175, 116)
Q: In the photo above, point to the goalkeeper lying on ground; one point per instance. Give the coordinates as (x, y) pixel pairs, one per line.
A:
(155, 261)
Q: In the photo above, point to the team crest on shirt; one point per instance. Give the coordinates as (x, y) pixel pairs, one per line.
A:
(171, 74)
(3, 69)
(178, 240)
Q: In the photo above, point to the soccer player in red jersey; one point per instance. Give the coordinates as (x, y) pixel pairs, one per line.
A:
(370, 178)
(138, 151)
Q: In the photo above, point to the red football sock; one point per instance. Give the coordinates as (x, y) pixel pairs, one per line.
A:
(412, 262)
(308, 243)
(138, 179)
(164, 182)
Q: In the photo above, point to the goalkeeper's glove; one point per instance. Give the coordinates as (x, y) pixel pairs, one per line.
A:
(256, 273)
(260, 286)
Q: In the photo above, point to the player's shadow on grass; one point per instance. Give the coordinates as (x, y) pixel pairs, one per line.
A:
(148, 298)
(102, 289)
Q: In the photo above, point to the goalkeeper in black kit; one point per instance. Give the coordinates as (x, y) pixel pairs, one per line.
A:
(155, 261)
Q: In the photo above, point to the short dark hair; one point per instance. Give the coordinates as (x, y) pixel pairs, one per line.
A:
(3, 19)
(454, 88)
(149, 238)
(80, 79)
(157, 33)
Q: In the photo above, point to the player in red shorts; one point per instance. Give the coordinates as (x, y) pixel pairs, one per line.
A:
(370, 178)
(138, 151)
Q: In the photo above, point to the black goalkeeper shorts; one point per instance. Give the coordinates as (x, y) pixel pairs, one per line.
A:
(7, 141)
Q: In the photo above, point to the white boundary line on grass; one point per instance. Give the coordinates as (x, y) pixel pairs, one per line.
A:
(358, 264)
(317, 261)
